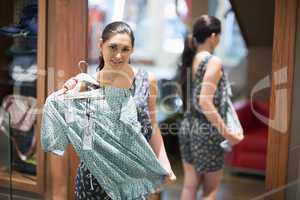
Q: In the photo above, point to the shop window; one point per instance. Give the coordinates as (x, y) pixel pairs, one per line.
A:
(232, 48)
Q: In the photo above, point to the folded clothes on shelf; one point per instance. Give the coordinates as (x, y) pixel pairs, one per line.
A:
(21, 110)
(27, 25)
(23, 68)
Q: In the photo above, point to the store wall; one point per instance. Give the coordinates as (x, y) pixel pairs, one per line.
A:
(256, 66)
(199, 7)
(66, 46)
(294, 149)
(257, 30)
(259, 66)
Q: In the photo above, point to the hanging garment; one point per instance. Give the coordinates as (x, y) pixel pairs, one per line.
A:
(22, 111)
(86, 185)
(27, 25)
(23, 68)
(102, 126)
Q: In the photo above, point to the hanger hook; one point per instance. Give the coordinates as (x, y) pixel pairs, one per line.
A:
(83, 65)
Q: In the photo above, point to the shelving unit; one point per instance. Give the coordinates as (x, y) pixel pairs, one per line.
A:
(10, 14)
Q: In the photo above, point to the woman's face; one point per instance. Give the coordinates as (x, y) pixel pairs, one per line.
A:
(117, 50)
(216, 39)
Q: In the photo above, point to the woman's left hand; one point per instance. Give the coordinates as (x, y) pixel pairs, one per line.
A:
(170, 178)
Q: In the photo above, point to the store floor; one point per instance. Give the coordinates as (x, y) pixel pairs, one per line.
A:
(234, 186)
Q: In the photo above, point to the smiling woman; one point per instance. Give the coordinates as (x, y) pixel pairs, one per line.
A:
(119, 49)
(116, 47)
(117, 43)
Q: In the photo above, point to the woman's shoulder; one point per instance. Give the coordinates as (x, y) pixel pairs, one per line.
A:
(142, 74)
(149, 78)
(201, 57)
(215, 61)
(207, 63)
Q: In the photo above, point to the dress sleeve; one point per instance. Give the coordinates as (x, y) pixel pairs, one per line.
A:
(54, 129)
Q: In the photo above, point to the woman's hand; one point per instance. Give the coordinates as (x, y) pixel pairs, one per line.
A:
(233, 138)
(170, 178)
(156, 140)
(70, 84)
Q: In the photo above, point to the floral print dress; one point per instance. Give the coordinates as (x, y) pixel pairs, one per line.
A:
(199, 140)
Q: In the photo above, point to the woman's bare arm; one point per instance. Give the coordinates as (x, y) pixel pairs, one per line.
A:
(156, 140)
(209, 85)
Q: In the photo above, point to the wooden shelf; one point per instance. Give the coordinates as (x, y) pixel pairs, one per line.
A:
(10, 13)
(20, 181)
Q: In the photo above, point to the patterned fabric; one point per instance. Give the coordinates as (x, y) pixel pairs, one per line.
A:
(87, 186)
(103, 128)
(84, 179)
(200, 140)
(140, 94)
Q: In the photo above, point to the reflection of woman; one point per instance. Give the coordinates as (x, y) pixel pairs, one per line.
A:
(114, 70)
(203, 127)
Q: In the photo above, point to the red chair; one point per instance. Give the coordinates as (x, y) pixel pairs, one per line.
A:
(250, 154)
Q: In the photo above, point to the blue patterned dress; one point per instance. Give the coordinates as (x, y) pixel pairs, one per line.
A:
(86, 185)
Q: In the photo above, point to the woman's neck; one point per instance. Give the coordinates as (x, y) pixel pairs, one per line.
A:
(205, 47)
(118, 77)
(114, 69)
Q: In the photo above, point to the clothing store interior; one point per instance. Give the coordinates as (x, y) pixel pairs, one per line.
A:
(160, 28)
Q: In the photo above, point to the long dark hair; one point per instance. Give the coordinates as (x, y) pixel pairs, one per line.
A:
(203, 28)
(110, 30)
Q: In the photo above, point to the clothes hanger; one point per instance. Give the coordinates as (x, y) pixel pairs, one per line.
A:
(84, 80)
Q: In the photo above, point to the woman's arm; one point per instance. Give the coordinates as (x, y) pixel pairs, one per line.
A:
(156, 140)
(210, 81)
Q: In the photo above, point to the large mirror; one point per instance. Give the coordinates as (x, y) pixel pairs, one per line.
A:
(160, 28)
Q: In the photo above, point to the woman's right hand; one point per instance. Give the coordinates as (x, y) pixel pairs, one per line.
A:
(233, 138)
(70, 84)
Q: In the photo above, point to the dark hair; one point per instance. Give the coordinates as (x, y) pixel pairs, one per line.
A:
(112, 29)
(202, 29)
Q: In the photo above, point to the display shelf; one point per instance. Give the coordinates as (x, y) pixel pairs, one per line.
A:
(11, 14)
(20, 181)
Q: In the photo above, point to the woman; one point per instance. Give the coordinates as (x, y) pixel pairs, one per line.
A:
(203, 127)
(116, 46)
